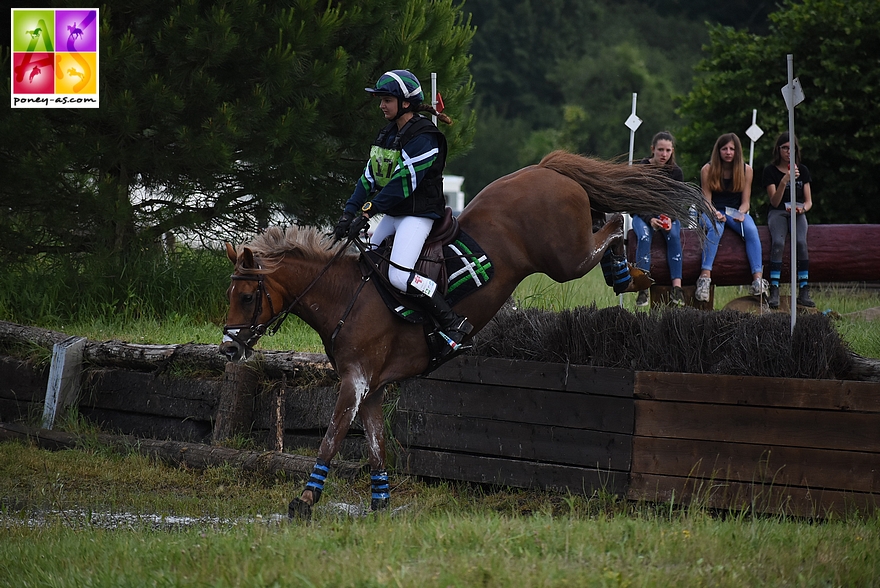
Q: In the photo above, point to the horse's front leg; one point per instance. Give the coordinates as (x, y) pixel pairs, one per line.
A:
(373, 420)
(619, 273)
(353, 389)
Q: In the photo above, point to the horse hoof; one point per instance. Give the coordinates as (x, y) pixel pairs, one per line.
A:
(299, 510)
(641, 280)
(377, 504)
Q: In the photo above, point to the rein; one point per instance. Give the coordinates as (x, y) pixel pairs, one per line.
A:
(271, 327)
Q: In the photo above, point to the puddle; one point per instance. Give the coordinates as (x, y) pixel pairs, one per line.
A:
(115, 521)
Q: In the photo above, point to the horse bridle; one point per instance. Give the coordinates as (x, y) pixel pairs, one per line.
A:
(271, 327)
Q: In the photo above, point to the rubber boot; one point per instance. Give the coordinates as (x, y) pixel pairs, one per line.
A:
(803, 298)
(773, 300)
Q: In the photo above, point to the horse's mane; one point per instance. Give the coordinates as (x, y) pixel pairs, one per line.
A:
(306, 242)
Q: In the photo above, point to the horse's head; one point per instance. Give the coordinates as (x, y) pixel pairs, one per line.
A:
(252, 305)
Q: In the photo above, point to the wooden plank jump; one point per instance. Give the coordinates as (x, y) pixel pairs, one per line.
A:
(782, 445)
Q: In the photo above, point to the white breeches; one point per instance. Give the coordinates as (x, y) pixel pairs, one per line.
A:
(409, 233)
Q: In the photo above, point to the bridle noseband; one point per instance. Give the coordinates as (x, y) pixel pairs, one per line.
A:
(257, 330)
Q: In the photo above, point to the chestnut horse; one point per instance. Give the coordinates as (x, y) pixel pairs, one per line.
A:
(536, 220)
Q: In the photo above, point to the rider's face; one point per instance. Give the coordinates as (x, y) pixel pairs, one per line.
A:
(388, 106)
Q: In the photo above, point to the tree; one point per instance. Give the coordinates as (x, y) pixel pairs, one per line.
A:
(214, 113)
(561, 74)
(833, 43)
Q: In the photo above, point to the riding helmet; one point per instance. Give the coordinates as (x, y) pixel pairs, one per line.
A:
(400, 83)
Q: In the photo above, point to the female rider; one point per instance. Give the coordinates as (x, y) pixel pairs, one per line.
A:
(404, 181)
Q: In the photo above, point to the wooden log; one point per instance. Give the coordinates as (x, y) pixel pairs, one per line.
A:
(275, 441)
(838, 253)
(235, 411)
(157, 358)
(190, 455)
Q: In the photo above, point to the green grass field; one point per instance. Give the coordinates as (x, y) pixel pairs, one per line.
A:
(94, 518)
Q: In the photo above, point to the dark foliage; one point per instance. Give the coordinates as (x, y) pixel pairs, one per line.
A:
(685, 340)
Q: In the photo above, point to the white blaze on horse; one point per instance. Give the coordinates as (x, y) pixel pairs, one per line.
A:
(539, 219)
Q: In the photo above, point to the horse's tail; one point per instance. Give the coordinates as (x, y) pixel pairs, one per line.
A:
(636, 189)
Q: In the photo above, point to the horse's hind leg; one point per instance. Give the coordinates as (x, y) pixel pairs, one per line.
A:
(618, 272)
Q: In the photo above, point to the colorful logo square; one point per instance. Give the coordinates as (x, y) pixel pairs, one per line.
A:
(55, 58)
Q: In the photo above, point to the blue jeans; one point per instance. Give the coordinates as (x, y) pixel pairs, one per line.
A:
(746, 229)
(644, 231)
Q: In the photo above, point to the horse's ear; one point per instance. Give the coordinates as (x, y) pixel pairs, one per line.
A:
(246, 259)
(230, 253)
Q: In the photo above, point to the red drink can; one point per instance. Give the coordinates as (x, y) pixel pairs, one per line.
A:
(665, 222)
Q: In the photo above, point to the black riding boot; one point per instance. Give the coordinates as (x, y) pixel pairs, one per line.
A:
(429, 299)
(773, 300)
(803, 298)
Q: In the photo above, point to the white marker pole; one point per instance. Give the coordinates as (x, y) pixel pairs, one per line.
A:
(754, 133)
(434, 96)
(791, 183)
(632, 123)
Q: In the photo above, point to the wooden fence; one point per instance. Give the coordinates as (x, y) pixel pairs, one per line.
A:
(804, 447)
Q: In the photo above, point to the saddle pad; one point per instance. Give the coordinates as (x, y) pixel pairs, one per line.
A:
(468, 268)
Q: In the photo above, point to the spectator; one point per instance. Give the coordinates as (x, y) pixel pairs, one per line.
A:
(662, 154)
(726, 182)
(776, 181)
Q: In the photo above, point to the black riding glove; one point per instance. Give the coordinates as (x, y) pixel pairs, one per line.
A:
(342, 225)
(357, 225)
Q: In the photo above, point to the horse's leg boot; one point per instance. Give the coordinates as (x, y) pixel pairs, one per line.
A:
(619, 273)
(428, 297)
(380, 496)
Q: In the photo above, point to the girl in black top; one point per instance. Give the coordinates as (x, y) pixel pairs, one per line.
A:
(775, 181)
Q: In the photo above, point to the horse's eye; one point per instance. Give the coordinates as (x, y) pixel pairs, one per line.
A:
(247, 298)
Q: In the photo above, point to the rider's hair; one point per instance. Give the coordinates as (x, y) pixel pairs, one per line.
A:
(430, 109)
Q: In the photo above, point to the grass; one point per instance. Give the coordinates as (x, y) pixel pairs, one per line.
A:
(445, 534)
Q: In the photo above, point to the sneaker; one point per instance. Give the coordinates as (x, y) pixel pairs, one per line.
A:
(642, 298)
(773, 300)
(702, 292)
(804, 299)
(759, 287)
(676, 298)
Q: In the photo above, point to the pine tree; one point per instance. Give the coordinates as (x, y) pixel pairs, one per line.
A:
(214, 113)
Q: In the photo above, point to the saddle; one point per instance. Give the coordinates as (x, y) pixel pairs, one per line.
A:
(431, 262)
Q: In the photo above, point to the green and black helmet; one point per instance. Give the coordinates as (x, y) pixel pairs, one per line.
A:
(401, 84)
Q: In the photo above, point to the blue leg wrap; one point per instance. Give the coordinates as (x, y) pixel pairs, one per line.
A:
(380, 490)
(616, 271)
(317, 479)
